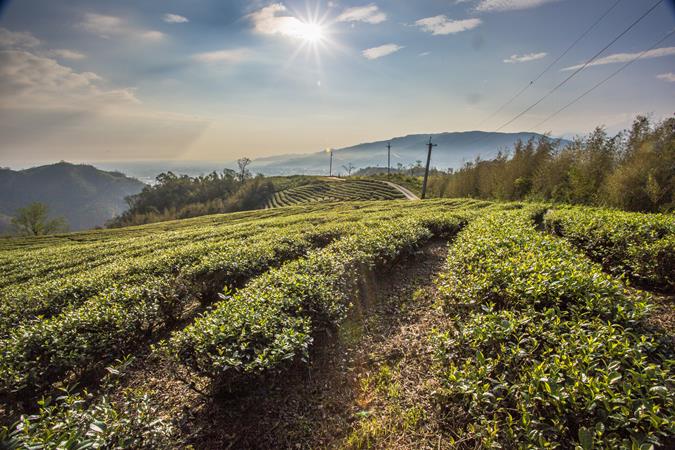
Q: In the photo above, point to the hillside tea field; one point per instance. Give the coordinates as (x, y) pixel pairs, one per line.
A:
(552, 328)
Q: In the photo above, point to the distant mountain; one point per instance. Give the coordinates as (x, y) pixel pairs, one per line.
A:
(84, 195)
(453, 150)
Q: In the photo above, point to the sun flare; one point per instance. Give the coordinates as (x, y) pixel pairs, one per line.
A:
(310, 32)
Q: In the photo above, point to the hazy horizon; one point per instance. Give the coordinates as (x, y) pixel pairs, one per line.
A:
(94, 81)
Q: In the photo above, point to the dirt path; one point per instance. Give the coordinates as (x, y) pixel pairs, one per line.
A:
(408, 194)
(382, 347)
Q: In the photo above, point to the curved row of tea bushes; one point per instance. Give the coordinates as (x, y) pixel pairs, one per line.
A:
(110, 323)
(549, 351)
(641, 246)
(24, 302)
(333, 191)
(271, 321)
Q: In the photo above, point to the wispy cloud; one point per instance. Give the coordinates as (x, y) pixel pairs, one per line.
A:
(17, 39)
(525, 58)
(625, 57)
(509, 5)
(66, 54)
(21, 40)
(229, 56)
(669, 77)
(382, 50)
(441, 25)
(30, 79)
(42, 99)
(110, 26)
(174, 18)
(368, 14)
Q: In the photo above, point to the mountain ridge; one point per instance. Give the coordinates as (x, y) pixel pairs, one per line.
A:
(453, 149)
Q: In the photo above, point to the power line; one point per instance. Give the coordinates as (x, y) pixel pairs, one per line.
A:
(582, 67)
(603, 81)
(561, 56)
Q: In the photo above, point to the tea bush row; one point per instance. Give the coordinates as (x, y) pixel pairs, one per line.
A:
(642, 246)
(271, 322)
(549, 351)
(110, 323)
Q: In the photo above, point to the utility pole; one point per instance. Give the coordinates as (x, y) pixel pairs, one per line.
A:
(426, 171)
(388, 158)
(330, 167)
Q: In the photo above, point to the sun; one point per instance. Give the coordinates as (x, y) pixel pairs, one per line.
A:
(310, 32)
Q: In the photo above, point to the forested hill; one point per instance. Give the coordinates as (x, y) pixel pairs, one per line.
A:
(84, 195)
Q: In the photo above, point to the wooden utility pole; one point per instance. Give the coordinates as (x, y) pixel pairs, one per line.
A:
(426, 171)
(388, 158)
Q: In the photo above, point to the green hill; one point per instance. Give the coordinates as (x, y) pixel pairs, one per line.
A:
(84, 195)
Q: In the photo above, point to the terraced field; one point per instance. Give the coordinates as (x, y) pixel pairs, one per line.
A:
(172, 335)
(334, 191)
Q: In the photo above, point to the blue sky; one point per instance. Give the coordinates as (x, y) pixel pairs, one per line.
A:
(93, 80)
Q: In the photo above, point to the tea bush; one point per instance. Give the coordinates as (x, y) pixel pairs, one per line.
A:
(641, 246)
(553, 352)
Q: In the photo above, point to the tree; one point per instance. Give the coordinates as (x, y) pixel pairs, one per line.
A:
(349, 167)
(33, 220)
(243, 173)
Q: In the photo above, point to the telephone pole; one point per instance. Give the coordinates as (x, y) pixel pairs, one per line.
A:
(426, 171)
(330, 167)
(388, 158)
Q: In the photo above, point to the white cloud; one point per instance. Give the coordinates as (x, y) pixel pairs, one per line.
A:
(66, 54)
(425, 54)
(525, 58)
(151, 35)
(368, 14)
(268, 21)
(669, 77)
(441, 25)
(17, 39)
(509, 5)
(222, 56)
(382, 50)
(110, 26)
(174, 18)
(625, 57)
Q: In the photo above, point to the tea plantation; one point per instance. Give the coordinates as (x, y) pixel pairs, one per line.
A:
(546, 338)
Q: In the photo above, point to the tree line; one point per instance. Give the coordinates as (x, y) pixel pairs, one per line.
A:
(182, 196)
(633, 170)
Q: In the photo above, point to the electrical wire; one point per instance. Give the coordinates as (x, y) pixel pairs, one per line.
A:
(580, 68)
(550, 66)
(603, 81)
